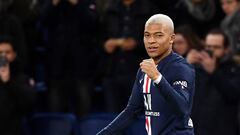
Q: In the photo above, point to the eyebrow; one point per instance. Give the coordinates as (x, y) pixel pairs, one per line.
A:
(146, 32)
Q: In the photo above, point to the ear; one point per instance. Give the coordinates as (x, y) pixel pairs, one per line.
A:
(172, 38)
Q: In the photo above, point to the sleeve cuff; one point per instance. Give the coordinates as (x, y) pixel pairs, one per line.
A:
(157, 81)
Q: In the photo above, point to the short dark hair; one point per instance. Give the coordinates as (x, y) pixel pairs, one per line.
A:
(218, 31)
(7, 39)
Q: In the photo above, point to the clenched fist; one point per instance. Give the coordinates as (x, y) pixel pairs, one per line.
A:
(148, 66)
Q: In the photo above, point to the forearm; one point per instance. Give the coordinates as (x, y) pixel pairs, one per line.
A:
(177, 99)
(120, 122)
(134, 107)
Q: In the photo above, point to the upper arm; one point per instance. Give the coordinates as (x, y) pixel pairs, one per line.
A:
(183, 81)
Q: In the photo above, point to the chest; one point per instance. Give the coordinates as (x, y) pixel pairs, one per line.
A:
(151, 94)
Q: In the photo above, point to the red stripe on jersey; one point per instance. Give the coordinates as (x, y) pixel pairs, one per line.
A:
(147, 124)
(147, 84)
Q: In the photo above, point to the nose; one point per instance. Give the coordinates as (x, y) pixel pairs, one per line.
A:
(151, 39)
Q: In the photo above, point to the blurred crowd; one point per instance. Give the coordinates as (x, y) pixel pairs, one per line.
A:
(81, 56)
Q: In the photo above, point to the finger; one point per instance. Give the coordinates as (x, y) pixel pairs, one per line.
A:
(144, 65)
(147, 60)
(205, 54)
(143, 69)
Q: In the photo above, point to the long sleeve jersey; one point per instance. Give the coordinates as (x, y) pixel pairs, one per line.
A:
(166, 105)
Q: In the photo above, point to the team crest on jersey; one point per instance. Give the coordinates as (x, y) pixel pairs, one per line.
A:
(183, 84)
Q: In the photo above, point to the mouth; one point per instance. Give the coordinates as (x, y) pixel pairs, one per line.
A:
(152, 49)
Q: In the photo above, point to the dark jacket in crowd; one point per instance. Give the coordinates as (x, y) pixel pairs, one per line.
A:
(70, 35)
(17, 98)
(216, 100)
(230, 25)
(11, 26)
(120, 21)
(70, 32)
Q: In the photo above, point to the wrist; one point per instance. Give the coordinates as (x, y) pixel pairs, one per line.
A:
(158, 79)
(156, 76)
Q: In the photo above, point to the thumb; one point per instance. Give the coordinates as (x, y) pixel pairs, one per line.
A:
(152, 60)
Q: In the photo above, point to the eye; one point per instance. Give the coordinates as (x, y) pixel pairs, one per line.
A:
(158, 35)
(146, 35)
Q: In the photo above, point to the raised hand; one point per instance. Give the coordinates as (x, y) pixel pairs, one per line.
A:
(148, 66)
(208, 63)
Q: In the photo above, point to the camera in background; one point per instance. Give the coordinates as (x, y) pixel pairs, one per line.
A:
(210, 53)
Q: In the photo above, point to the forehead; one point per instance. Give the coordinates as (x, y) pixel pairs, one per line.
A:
(228, 1)
(179, 36)
(215, 39)
(156, 28)
(5, 47)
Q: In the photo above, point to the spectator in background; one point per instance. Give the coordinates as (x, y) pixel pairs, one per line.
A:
(28, 12)
(202, 10)
(230, 24)
(217, 87)
(102, 6)
(185, 40)
(21, 17)
(123, 25)
(12, 26)
(16, 94)
(71, 25)
(201, 15)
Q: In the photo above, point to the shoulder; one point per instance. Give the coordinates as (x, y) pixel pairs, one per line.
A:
(139, 73)
(179, 61)
(179, 65)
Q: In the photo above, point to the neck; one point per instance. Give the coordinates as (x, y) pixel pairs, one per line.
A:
(161, 57)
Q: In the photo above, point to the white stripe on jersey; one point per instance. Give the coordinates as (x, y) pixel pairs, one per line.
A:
(146, 89)
(146, 84)
(148, 125)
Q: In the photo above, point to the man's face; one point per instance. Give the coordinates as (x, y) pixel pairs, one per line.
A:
(7, 50)
(158, 39)
(215, 43)
(229, 6)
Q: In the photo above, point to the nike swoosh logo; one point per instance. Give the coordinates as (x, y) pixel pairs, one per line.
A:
(140, 81)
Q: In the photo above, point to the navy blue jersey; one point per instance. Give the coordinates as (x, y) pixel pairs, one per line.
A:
(166, 105)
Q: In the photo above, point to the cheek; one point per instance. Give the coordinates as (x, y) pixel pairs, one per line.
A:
(145, 42)
(218, 53)
(225, 9)
(185, 47)
(163, 43)
(177, 48)
(11, 57)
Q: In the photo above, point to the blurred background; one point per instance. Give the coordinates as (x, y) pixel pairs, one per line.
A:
(67, 66)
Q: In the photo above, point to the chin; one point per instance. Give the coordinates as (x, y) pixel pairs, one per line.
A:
(153, 56)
